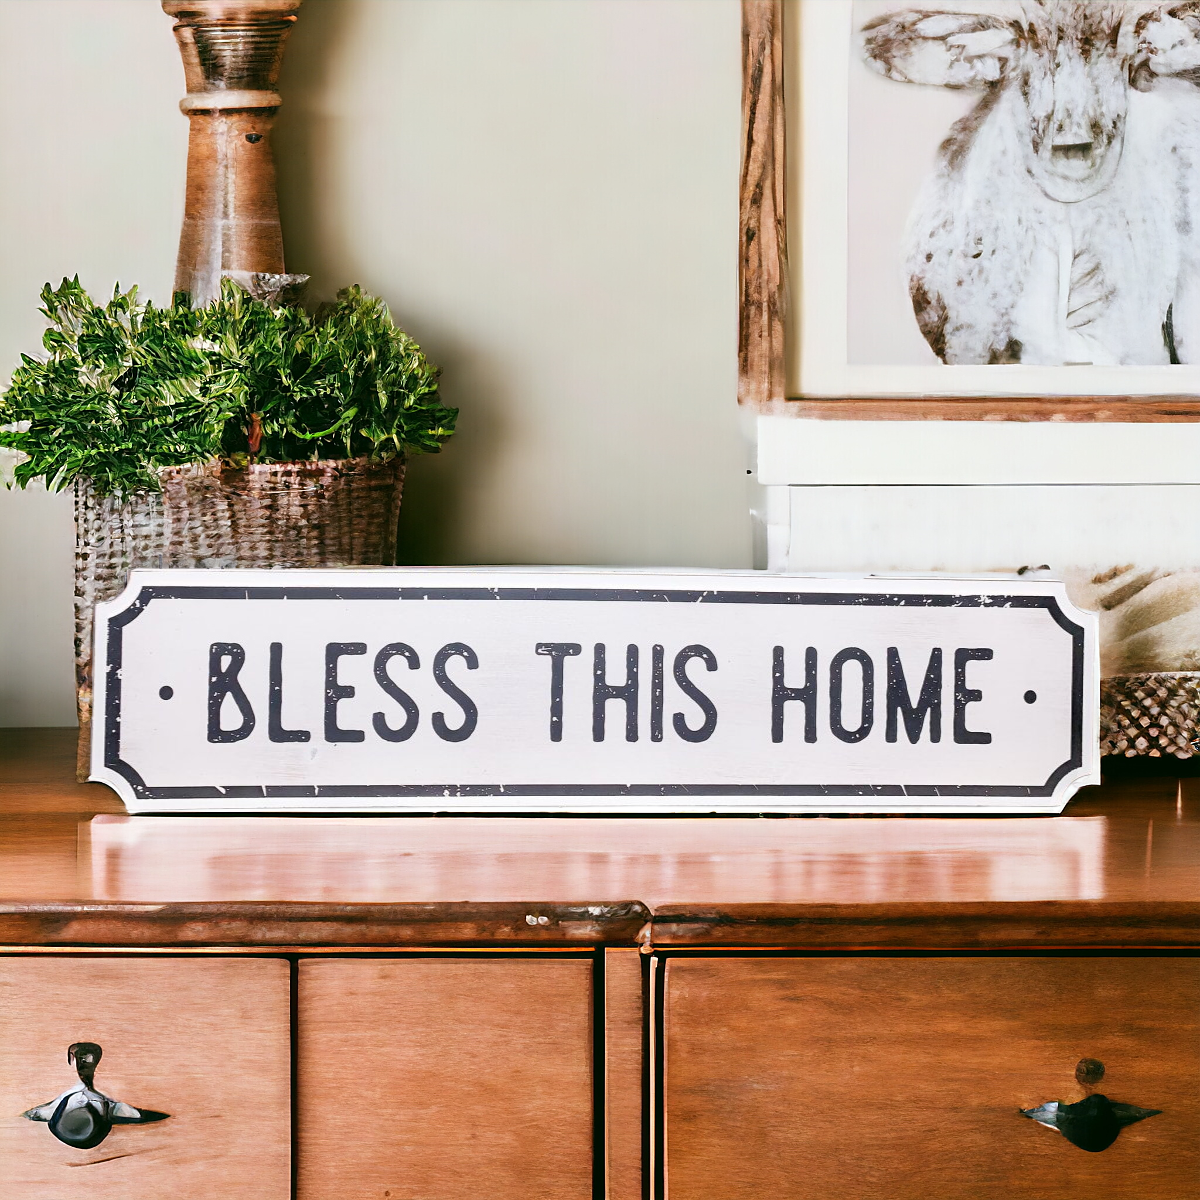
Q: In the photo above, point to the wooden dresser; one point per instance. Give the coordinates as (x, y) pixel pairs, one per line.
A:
(446, 1008)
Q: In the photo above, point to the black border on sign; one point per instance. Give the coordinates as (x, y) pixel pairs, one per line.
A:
(112, 693)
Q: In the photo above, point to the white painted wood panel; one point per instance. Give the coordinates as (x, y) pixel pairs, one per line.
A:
(801, 451)
(965, 529)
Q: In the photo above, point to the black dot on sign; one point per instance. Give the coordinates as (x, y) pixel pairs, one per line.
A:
(166, 692)
(1031, 697)
(253, 137)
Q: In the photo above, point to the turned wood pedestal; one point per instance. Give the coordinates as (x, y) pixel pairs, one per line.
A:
(694, 1008)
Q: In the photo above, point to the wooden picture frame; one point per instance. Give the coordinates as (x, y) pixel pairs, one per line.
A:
(767, 290)
(762, 244)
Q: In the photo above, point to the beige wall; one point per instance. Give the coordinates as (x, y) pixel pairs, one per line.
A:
(545, 192)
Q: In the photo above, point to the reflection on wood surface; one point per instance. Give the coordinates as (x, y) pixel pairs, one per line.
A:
(1144, 848)
(697, 860)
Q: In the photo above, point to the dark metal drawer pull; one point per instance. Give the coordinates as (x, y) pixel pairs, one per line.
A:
(82, 1117)
(1094, 1122)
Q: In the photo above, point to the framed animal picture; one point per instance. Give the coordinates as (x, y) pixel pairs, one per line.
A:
(991, 197)
(970, 310)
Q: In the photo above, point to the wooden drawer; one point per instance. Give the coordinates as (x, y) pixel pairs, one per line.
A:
(904, 1077)
(205, 1040)
(442, 1078)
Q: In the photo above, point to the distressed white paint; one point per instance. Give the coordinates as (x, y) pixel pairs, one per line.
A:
(276, 690)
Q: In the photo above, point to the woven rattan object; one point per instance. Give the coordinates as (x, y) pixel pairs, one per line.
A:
(1154, 715)
(330, 513)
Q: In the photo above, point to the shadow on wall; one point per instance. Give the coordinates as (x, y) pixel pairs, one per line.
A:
(545, 193)
(318, 215)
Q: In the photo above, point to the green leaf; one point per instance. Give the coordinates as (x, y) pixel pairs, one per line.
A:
(126, 388)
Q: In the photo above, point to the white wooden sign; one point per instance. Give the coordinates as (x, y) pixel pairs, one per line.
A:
(514, 690)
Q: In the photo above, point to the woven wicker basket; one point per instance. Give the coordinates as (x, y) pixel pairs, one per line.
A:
(329, 513)
(1153, 715)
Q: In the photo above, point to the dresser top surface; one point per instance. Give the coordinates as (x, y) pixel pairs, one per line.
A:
(1124, 842)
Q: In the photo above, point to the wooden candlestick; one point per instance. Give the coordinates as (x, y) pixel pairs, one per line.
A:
(232, 51)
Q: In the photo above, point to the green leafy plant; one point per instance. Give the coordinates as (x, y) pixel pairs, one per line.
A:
(127, 388)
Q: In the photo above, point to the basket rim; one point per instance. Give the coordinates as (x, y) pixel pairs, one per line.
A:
(1139, 676)
(257, 473)
(218, 466)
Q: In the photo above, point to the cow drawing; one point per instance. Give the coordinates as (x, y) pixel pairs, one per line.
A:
(1062, 222)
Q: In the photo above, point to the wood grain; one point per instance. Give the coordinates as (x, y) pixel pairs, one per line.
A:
(894, 1078)
(762, 251)
(1121, 867)
(37, 774)
(1005, 925)
(231, 51)
(296, 925)
(438, 1080)
(205, 1041)
(624, 1055)
(39, 857)
(994, 408)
